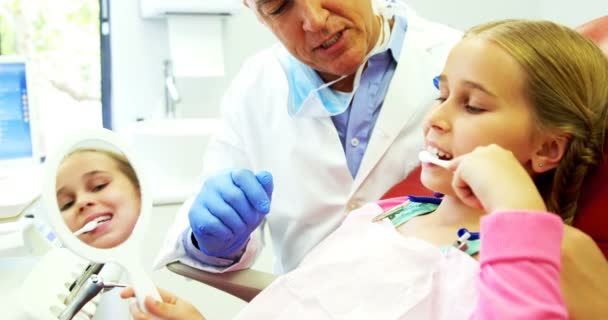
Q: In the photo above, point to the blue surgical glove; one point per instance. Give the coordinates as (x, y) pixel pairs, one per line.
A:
(227, 210)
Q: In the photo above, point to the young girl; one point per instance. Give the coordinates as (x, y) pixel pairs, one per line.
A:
(521, 115)
(102, 186)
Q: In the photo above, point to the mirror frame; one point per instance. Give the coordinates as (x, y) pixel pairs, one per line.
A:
(128, 254)
(106, 140)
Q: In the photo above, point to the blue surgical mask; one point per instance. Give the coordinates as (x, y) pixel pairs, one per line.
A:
(306, 89)
(310, 96)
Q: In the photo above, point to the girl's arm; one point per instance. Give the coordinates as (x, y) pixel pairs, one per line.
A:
(520, 266)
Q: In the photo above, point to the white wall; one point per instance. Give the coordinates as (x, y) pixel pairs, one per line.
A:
(139, 47)
(467, 13)
(574, 13)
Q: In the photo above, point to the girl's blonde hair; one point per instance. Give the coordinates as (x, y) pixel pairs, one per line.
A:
(121, 161)
(567, 82)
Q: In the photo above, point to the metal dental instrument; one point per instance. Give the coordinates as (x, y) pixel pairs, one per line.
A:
(88, 291)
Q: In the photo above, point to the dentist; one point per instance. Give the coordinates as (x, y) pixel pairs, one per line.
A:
(313, 128)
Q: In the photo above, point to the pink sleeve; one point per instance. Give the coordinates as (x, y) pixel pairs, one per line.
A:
(390, 203)
(520, 267)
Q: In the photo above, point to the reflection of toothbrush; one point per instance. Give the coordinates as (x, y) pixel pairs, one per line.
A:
(89, 226)
(426, 156)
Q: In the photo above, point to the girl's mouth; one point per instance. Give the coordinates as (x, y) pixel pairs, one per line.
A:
(101, 221)
(442, 155)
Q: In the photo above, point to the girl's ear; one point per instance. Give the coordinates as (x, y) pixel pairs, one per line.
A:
(549, 153)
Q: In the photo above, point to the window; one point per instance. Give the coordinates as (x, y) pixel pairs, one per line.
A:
(61, 41)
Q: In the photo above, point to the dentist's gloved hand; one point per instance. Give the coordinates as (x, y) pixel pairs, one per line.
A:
(227, 210)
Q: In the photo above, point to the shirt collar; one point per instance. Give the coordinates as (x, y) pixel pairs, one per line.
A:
(395, 43)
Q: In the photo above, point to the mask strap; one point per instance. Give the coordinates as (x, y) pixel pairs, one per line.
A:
(381, 44)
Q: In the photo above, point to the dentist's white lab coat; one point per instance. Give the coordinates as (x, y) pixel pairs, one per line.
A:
(314, 190)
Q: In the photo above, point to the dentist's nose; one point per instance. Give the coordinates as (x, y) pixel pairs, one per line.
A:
(314, 16)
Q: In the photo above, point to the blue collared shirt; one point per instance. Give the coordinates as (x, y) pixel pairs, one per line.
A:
(356, 124)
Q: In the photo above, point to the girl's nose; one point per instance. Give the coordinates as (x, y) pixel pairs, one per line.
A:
(84, 203)
(438, 118)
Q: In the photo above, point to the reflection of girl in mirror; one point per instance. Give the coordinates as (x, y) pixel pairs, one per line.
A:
(98, 185)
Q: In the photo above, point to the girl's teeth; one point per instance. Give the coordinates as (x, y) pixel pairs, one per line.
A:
(439, 153)
(103, 218)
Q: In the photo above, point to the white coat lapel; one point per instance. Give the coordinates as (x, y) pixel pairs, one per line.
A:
(408, 97)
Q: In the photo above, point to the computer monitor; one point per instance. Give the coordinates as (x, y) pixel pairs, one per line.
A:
(17, 140)
(20, 169)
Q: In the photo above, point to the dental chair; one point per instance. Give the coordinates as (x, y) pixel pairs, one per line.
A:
(592, 217)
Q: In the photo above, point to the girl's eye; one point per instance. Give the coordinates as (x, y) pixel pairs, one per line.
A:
(99, 187)
(474, 110)
(66, 205)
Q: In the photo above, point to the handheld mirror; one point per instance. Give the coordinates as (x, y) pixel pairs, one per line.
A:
(98, 204)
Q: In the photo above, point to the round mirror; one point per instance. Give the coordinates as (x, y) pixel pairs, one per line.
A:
(97, 202)
(98, 195)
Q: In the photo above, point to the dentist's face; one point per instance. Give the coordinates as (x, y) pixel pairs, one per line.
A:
(331, 36)
(90, 186)
(482, 101)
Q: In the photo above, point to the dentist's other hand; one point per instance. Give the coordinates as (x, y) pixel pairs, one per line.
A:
(227, 210)
(171, 308)
(491, 178)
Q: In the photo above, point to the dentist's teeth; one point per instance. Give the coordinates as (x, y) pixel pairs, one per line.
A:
(331, 41)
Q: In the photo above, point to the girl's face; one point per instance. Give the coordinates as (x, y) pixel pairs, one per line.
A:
(90, 186)
(481, 102)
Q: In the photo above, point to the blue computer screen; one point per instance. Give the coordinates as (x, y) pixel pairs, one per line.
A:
(15, 134)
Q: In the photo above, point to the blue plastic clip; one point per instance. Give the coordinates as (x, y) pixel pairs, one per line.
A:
(436, 82)
(464, 236)
(474, 235)
(432, 200)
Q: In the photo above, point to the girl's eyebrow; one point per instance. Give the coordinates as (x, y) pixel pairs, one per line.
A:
(86, 175)
(93, 172)
(471, 84)
(478, 86)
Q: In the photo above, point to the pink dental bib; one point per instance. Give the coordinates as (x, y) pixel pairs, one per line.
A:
(367, 270)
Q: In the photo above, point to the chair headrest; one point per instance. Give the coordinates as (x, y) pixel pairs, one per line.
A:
(597, 31)
(592, 216)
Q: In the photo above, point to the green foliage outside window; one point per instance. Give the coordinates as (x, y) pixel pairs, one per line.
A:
(61, 40)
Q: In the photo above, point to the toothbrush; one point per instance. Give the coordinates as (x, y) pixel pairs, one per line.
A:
(426, 156)
(89, 226)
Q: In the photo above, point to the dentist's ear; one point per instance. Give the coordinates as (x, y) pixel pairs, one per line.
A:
(550, 153)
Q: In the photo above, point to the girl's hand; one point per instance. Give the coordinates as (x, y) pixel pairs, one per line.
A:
(491, 178)
(171, 308)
